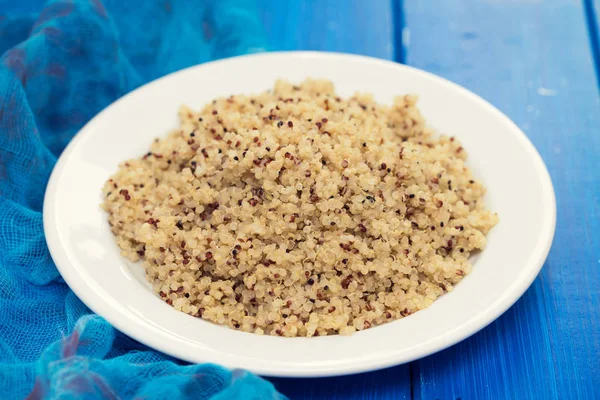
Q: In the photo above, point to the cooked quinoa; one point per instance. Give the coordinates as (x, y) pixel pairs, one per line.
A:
(298, 213)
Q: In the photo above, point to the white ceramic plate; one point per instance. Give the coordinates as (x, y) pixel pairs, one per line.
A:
(519, 189)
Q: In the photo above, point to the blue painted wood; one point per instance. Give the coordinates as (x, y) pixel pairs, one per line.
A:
(389, 384)
(533, 60)
(350, 26)
(592, 11)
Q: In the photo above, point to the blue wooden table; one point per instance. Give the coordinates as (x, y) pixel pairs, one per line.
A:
(538, 61)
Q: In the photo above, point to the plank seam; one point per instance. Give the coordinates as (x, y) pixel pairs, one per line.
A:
(398, 25)
(412, 385)
(593, 32)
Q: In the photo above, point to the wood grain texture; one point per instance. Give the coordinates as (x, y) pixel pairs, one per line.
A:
(533, 60)
(350, 26)
(389, 384)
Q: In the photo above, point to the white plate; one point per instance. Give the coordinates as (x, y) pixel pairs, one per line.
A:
(519, 189)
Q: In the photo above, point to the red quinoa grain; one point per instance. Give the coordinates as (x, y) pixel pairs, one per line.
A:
(252, 234)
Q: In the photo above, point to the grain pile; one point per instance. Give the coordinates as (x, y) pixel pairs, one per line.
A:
(298, 213)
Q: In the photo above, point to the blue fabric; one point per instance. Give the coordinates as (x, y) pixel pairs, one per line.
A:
(58, 69)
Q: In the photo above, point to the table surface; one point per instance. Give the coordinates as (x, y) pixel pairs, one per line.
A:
(538, 62)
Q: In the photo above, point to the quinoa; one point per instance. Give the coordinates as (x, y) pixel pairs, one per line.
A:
(298, 213)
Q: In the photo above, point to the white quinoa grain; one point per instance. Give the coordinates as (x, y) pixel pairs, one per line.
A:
(298, 213)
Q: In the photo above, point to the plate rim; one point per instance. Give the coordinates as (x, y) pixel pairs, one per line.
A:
(103, 307)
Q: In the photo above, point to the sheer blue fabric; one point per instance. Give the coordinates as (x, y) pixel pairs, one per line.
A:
(59, 67)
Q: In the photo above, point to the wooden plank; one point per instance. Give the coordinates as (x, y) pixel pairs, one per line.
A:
(353, 26)
(389, 384)
(533, 60)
